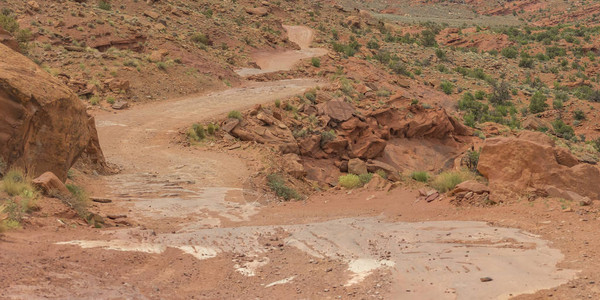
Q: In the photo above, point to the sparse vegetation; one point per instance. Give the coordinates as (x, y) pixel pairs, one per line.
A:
(420, 176)
(447, 87)
(350, 181)
(277, 185)
(234, 114)
(446, 181)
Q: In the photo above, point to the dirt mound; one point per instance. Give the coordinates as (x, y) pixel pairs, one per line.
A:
(531, 162)
(43, 125)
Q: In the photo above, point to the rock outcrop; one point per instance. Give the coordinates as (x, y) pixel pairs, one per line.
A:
(43, 125)
(532, 162)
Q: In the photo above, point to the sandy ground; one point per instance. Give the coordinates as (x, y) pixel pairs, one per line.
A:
(201, 231)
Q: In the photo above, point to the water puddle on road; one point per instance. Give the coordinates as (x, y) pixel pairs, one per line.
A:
(428, 260)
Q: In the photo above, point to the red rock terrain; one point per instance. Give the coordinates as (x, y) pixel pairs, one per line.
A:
(299, 149)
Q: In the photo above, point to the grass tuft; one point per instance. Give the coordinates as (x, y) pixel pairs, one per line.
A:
(420, 176)
(277, 184)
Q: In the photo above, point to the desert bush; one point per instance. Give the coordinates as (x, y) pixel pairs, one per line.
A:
(472, 160)
(277, 185)
(381, 173)
(440, 54)
(105, 5)
(350, 181)
(373, 44)
(446, 181)
(201, 38)
(579, 115)
(420, 176)
(327, 136)
(161, 65)
(212, 128)
(563, 130)
(316, 62)
(510, 52)
(500, 93)
(447, 87)
(526, 62)
(427, 38)
(234, 114)
(78, 200)
(311, 96)
(365, 178)
(538, 103)
(15, 183)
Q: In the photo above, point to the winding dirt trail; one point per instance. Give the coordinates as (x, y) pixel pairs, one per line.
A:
(203, 233)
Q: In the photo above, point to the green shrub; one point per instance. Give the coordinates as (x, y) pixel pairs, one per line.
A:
(472, 159)
(212, 128)
(365, 178)
(78, 200)
(428, 38)
(277, 185)
(278, 103)
(105, 5)
(110, 100)
(381, 173)
(510, 52)
(201, 38)
(446, 181)
(538, 103)
(563, 130)
(526, 63)
(440, 54)
(199, 130)
(15, 183)
(500, 93)
(161, 65)
(311, 96)
(373, 44)
(234, 114)
(447, 87)
(420, 176)
(327, 136)
(579, 115)
(350, 181)
(316, 62)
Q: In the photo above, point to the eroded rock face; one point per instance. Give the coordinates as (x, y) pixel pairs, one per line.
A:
(43, 125)
(531, 161)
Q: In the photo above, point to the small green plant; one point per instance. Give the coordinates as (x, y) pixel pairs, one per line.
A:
(316, 62)
(381, 173)
(447, 87)
(538, 103)
(161, 65)
(563, 130)
(201, 38)
(350, 181)
(110, 100)
(105, 5)
(278, 103)
(365, 178)
(447, 181)
(15, 183)
(420, 176)
(579, 115)
(78, 200)
(327, 136)
(234, 114)
(311, 96)
(199, 130)
(277, 184)
(212, 128)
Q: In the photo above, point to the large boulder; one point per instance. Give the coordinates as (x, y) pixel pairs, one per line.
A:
(530, 161)
(43, 125)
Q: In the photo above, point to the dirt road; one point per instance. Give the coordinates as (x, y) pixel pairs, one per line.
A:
(203, 234)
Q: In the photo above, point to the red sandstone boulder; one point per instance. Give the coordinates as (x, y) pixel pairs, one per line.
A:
(50, 184)
(43, 125)
(530, 161)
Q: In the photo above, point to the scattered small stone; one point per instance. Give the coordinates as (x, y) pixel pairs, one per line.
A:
(114, 217)
(329, 270)
(485, 279)
(101, 200)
